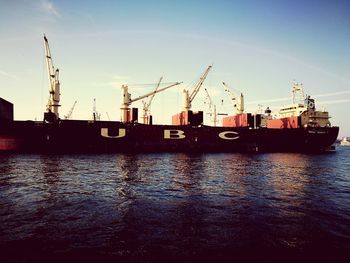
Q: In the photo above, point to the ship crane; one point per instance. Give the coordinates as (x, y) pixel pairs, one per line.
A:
(69, 114)
(212, 109)
(54, 98)
(209, 99)
(146, 105)
(127, 101)
(188, 98)
(240, 99)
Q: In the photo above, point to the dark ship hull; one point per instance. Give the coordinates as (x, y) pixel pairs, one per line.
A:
(240, 133)
(73, 136)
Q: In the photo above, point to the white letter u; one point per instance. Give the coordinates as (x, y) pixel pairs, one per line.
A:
(121, 133)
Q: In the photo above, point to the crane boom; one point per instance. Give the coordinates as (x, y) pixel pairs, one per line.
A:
(127, 99)
(212, 109)
(239, 99)
(53, 74)
(69, 114)
(146, 106)
(154, 92)
(199, 84)
(209, 98)
(189, 98)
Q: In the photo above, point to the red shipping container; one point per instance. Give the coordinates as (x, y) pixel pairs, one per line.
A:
(239, 120)
(283, 123)
(179, 119)
(188, 117)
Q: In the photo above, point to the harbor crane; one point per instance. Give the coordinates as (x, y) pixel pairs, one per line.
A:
(239, 98)
(54, 99)
(127, 101)
(69, 114)
(146, 105)
(188, 98)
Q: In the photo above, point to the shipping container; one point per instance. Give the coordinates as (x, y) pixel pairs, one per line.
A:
(283, 123)
(188, 118)
(239, 120)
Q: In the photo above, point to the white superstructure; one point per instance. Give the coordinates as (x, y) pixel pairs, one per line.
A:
(304, 107)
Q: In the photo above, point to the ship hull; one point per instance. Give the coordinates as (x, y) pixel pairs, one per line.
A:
(73, 136)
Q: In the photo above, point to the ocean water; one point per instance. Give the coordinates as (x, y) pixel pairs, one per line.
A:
(175, 207)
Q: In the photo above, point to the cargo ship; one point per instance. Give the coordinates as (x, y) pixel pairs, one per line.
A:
(297, 127)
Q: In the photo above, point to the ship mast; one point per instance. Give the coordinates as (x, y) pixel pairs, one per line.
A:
(54, 98)
(297, 93)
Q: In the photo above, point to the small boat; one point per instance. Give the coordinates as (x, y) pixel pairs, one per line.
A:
(345, 142)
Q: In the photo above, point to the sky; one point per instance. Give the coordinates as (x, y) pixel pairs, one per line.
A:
(260, 48)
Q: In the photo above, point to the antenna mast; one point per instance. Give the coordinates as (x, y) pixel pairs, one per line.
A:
(297, 92)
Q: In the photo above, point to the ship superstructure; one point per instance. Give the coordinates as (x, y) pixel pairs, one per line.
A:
(300, 113)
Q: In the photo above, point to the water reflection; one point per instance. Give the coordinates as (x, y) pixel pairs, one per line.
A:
(186, 173)
(7, 202)
(6, 166)
(288, 176)
(139, 206)
(50, 170)
(127, 166)
(189, 211)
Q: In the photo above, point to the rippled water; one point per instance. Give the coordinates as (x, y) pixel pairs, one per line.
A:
(171, 207)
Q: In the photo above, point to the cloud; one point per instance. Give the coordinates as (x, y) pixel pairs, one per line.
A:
(332, 94)
(315, 96)
(5, 74)
(269, 100)
(335, 101)
(49, 8)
